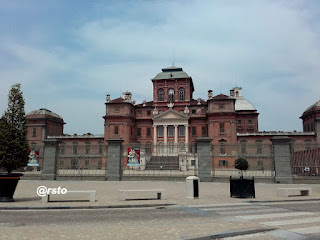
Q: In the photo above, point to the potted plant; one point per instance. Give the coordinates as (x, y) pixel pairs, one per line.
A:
(14, 146)
(240, 187)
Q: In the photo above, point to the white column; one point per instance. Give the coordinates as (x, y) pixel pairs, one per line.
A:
(155, 139)
(176, 139)
(175, 134)
(165, 139)
(187, 137)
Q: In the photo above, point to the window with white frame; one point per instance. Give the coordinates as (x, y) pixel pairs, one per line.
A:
(181, 94)
(160, 131)
(171, 131)
(181, 131)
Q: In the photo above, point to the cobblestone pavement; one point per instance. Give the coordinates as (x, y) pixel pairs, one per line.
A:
(295, 217)
(291, 220)
(246, 221)
(135, 223)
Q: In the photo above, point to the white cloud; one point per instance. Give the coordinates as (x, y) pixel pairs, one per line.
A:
(270, 48)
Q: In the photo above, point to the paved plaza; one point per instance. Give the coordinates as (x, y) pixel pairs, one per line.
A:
(213, 216)
(107, 193)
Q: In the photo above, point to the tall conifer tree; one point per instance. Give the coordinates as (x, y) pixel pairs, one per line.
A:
(14, 147)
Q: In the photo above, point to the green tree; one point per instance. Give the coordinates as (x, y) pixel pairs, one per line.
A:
(14, 147)
(241, 164)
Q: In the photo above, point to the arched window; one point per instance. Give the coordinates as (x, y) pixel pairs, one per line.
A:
(148, 148)
(88, 146)
(160, 148)
(75, 148)
(63, 148)
(259, 146)
(181, 94)
(160, 95)
(243, 146)
(222, 143)
(171, 95)
(182, 146)
(171, 148)
(100, 147)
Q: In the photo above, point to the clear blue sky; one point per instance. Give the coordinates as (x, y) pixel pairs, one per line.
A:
(69, 54)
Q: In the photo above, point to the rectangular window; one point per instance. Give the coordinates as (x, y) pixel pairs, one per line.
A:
(223, 163)
(259, 148)
(116, 130)
(221, 106)
(194, 111)
(171, 131)
(244, 147)
(194, 131)
(149, 113)
(100, 147)
(87, 148)
(160, 131)
(61, 163)
(148, 132)
(204, 131)
(139, 113)
(221, 127)
(34, 132)
(181, 131)
(63, 149)
(75, 148)
(222, 148)
(260, 163)
(249, 120)
(139, 132)
(86, 162)
(193, 162)
(239, 121)
(74, 163)
(148, 148)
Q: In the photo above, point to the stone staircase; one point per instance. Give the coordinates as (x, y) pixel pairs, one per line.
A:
(167, 163)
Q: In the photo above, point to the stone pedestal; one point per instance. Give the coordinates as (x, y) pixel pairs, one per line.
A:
(282, 159)
(49, 171)
(204, 159)
(114, 168)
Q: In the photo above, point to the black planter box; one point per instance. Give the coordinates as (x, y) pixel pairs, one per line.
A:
(8, 184)
(242, 188)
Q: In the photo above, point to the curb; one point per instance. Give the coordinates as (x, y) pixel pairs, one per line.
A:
(88, 207)
(229, 234)
(287, 200)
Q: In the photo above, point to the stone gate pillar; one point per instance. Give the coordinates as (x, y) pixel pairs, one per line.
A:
(204, 159)
(49, 167)
(282, 159)
(114, 167)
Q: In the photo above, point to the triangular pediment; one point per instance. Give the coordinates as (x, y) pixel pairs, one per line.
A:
(171, 115)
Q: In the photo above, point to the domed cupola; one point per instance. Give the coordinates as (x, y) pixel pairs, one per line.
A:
(241, 104)
(42, 112)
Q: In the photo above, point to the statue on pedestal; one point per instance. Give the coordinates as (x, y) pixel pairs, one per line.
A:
(133, 158)
(33, 159)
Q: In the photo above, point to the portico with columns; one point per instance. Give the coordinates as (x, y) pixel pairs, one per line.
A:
(170, 133)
